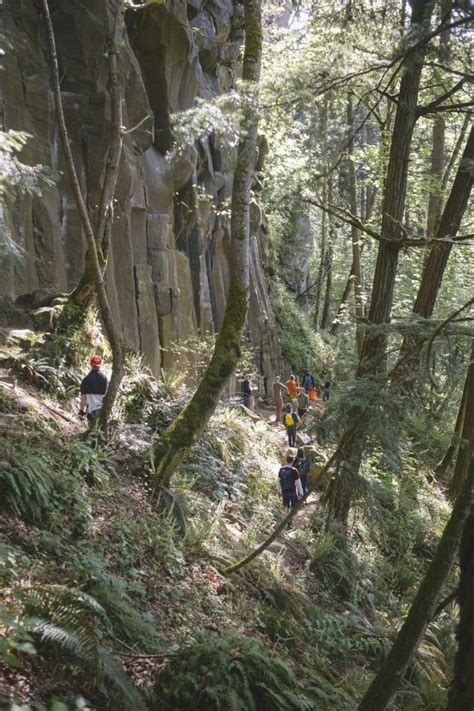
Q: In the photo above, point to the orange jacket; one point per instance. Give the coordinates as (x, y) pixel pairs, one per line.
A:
(292, 388)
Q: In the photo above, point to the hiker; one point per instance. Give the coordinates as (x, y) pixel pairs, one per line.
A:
(289, 484)
(93, 389)
(302, 464)
(308, 381)
(302, 402)
(278, 390)
(327, 390)
(248, 391)
(290, 419)
(292, 388)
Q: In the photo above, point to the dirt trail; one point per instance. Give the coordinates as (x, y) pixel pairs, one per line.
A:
(283, 547)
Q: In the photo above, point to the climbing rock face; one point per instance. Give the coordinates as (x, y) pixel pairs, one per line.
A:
(167, 274)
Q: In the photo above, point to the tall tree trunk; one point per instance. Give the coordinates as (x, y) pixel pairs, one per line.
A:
(328, 260)
(182, 433)
(372, 358)
(393, 204)
(435, 264)
(389, 678)
(466, 443)
(346, 294)
(318, 300)
(461, 696)
(322, 262)
(96, 241)
(327, 288)
(355, 232)
(437, 167)
(435, 201)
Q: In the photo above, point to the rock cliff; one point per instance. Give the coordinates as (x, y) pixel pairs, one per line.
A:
(167, 273)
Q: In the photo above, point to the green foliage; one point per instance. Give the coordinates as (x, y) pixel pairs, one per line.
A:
(114, 596)
(301, 347)
(90, 461)
(62, 621)
(27, 486)
(228, 671)
(59, 379)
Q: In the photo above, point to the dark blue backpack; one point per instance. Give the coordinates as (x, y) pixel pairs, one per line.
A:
(302, 465)
(286, 478)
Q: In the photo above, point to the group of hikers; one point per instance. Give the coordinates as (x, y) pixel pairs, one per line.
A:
(295, 396)
(298, 398)
(292, 477)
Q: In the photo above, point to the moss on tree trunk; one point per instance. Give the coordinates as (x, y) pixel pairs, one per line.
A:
(182, 433)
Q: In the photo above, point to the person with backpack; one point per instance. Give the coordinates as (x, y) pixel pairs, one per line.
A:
(290, 419)
(289, 484)
(302, 464)
(93, 389)
(303, 402)
(308, 381)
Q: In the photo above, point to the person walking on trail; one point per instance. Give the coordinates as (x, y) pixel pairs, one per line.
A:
(290, 419)
(327, 390)
(292, 388)
(308, 381)
(93, 389)
(289, 484)
(278, 391)
(302, 464)
(303, 402)
(248, 391)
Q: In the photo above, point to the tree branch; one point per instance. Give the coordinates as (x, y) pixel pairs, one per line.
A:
(429, 108)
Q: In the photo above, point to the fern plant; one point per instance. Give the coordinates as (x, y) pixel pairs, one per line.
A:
(229, 673)
(63, 621)
(27, 486)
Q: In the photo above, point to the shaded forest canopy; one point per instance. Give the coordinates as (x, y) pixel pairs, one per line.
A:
(211, 194)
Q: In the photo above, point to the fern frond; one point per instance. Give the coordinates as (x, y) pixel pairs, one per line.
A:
(118, 685)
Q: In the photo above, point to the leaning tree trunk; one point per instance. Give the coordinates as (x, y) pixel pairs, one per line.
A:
(448, 456)
(389, 678)
(97, 242)
(181, 434)
(466, 442)
(421, 612)
(461, 695)
(81, 298)
(372, 358)
(435, 264)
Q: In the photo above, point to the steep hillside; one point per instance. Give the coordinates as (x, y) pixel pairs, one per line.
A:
(100, 580)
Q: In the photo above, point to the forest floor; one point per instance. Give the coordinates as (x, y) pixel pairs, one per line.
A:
(159, 577)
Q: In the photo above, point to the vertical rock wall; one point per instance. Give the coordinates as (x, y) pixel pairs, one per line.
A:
(167, 275)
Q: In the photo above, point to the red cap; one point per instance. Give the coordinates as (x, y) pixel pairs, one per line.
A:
(96, 361)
